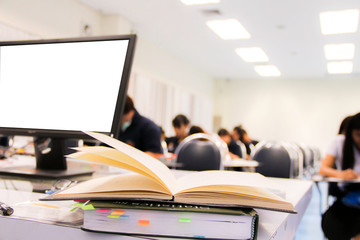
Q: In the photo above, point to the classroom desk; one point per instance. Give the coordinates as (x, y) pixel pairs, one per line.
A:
(319, 178)
(240, 163)
(272, 225)
(228, 164)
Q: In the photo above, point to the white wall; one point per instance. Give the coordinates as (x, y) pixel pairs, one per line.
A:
(308, 111)
(67, 18)
(49, 18)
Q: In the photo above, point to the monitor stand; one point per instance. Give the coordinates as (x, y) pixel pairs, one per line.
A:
(50, 161)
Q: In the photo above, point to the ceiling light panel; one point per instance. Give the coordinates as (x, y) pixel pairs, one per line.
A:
(337, 22)
(267, 70)
(199, 2)
(343, 67)
(228, 29)
(339, 51)
(252, 54)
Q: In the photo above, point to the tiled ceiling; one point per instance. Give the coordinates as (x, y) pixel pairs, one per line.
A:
(287, 30)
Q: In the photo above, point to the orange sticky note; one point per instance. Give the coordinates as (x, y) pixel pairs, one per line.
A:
(118, 212)
(144, 222)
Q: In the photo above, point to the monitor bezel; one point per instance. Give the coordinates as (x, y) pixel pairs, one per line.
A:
(68, 134)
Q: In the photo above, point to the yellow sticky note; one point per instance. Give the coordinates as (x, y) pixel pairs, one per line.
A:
(88, 207)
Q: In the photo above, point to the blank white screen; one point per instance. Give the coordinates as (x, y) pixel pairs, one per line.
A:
(61, 86)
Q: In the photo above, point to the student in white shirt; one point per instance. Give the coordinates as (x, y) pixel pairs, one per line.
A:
(341, 221)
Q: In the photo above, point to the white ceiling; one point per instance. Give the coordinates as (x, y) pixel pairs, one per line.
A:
(287, 30)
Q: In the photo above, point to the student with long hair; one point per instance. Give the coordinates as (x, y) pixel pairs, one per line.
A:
(342, 221)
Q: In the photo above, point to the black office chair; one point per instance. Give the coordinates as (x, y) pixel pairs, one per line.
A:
(199, 152)
(307, 163)
(276, 160)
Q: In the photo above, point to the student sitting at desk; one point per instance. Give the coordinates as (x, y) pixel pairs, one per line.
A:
(234, 149)
(181, 126)
(140, 132)
(342, 221)
(239, 134)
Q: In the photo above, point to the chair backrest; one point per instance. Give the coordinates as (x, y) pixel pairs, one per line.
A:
(275, 159)
(199, 152)
(242, 148)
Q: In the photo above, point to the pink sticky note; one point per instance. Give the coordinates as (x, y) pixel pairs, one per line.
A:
(102, 210)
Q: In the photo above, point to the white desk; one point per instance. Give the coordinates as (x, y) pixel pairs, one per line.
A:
(276, 225)
(240, 163)
(272, 225)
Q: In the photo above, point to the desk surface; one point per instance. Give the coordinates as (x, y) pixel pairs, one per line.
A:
(320, 178)
(272, 225)
(240, 163)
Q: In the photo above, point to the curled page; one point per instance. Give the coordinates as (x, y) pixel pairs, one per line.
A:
(162, 172)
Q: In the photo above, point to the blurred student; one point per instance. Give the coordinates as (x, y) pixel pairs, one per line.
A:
(239, 134)
(341, 220)
(234, 149)
(343, 125)
(139, 131)
(181, 125)
(195, 129)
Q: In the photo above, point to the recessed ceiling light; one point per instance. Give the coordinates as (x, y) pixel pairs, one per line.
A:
(267, 70)
(339, 51)
(228, 29)
(198, 2)
(336, 22)
(252, 54)
(340, 67)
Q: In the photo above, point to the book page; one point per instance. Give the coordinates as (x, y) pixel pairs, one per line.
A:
(85, 154)
(114, 183)
(113, 157)
(211, 180)
(128, 152)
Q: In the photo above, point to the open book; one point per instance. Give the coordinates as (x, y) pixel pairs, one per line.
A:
(153, 181)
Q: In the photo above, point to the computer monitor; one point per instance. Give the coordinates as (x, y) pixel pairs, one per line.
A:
(54, 90)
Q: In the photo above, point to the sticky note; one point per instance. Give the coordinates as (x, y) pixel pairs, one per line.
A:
(118, 212)
(113, 216)
(124, 217)
(184, 220)
(77, 204)
(88, 207)
(72, 210)
(144, 222)
(102, 210)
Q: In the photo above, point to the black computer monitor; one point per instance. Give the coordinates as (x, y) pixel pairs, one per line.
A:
(54, 90)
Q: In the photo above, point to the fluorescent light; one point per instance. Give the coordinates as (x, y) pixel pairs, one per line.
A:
(252, 54)
(198, 2)
(336, 22)
(339, 51)
(228, 29)
(340, 67)
(267, 70)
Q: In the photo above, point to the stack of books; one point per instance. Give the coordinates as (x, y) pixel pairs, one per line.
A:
(171, 220)
(225, 198)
